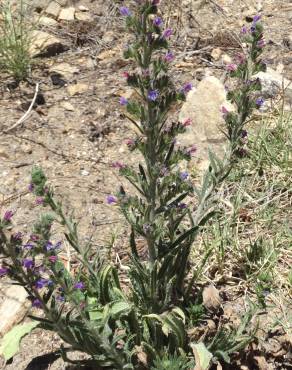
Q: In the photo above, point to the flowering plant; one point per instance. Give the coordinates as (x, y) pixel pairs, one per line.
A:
(132, 328)
(245, 95)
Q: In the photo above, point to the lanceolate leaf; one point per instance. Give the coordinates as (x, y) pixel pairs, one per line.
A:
(10, 342)
(202, 355)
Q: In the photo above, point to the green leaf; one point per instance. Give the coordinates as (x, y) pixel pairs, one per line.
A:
(202, 355)
(11, 340)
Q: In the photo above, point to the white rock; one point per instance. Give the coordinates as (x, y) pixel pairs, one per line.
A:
(77, 89)
(67, 14)
(14, 307)
(274, 83)
(226, 59)
(53, 9)
(83, 8)
(216, 53)
(83, 17)
(45, 44)
(46, 21)
(66, 70)
(67, 106)
(203, 108)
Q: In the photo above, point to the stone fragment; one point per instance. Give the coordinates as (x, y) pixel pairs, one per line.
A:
(274, 83)
(211, 298)
(67, 106)
(46, 21)
(14, 307)
(216, 53)
(83, 8)
(226, 59)
(65, 70)
(203, 107)
(77, 89)
(67, 14)
(44, 44)
(53, 9)
(83, 17)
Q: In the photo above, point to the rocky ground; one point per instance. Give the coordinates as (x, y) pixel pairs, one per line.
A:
(76, 129)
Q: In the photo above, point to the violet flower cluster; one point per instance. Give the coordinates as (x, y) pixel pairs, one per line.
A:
(246, 95)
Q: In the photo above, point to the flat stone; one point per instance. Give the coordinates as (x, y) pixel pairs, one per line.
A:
(67, 14)
(83, 8)
(77, 89)
(66, 70)
(14, 307)
(203, 107)
(83, 17)
(46, 21)
(67, 106)
(44, 44)
(53, 9)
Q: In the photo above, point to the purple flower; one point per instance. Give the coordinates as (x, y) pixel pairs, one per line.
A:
(261, 43)
(17, 236)
(130, 143)
(28, 246)
(224, 110)
(167, 33)
(243, 134)
(3, 271)
(231, 67)
(244, 30)
(49, 246)
(191, 150)
(31, 187)
(187, 87)
(41, 283)
(60, 298)
(36, 303)
(259, 102)
(39, 201)
(184, 175)
(79, 285)
(169, 57)
(187, 122)
(34, 237)
(157, 22)
(256, 18)
(111, 199)
(124, 101)
(118, 165)
(8, 216)
(182, 206)
(125, 11)
(53, 259)
(153, 95)
(240, 58)
(253, 28)
(28, 263)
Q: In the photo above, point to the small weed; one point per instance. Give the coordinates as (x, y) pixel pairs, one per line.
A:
(173, 363)
(15, 40)
(228, 341)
